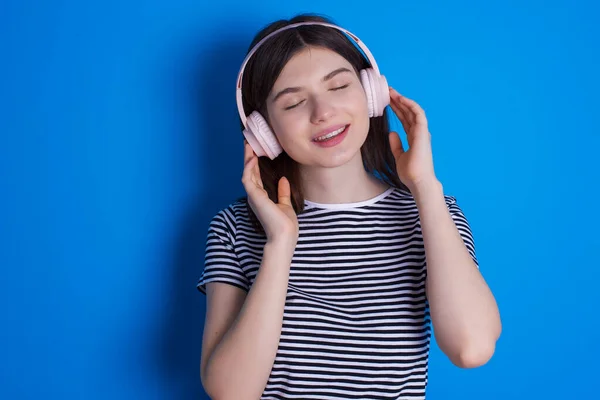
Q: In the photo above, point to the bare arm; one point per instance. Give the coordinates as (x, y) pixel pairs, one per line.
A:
(241, 340)
(241, 333)
(464, 313)
(463, 310)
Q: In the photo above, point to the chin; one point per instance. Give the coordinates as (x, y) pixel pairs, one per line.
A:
(338, 160)
(342, 155)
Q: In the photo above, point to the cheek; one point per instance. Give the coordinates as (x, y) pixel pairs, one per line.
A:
(289, 128)
(359, 108)
(359, 101)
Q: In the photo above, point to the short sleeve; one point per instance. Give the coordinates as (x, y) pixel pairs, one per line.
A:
(221, 263)
(463, 226)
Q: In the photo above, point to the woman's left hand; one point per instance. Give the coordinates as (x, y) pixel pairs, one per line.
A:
(415, 165)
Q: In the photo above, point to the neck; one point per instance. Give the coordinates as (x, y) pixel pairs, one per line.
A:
(348, 183)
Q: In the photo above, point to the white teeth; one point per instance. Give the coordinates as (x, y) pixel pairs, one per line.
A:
(330, 135)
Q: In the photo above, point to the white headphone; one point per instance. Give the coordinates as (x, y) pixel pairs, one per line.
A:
(257, 132)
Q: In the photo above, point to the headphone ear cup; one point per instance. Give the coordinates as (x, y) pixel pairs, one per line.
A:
(376, 88)
(367, 86)
(383, 93)
(260, 137)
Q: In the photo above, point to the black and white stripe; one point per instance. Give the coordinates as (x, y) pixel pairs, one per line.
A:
(356, 320)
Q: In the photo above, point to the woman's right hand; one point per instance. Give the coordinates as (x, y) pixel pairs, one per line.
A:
(278, 220)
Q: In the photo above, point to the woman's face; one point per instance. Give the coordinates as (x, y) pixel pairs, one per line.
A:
(318, 109)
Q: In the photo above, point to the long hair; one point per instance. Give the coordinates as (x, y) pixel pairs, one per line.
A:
(260, 74)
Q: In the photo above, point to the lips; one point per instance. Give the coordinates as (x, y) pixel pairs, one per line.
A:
(333, 138)
(331, 131)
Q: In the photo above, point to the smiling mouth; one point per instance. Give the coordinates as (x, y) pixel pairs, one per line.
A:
(330, 134)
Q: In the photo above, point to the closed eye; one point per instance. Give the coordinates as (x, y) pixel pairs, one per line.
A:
(341, 87)
(332, 89)
(295, 105)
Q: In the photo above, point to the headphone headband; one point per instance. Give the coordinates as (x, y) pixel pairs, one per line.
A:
(360, 44)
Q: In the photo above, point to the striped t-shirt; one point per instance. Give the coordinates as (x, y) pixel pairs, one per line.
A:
(356, 319)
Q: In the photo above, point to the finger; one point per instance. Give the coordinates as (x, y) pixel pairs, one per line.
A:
(397, 99)
(401, 114)
(256, 173)
(416, 110)
(247, 175)
(396, 144)
(395, 102)
(248, 153)
(284, 193)
(251, 175)
(251, 167)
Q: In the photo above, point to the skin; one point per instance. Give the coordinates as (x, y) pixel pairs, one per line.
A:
(242, 330)
(319, 105)
(464, 313)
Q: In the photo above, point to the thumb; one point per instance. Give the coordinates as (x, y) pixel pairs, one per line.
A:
(284, 192)
(396, 144)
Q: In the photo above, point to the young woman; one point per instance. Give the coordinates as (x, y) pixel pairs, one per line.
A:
(323, 281)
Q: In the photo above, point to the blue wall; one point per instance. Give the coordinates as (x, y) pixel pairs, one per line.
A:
(120, 141)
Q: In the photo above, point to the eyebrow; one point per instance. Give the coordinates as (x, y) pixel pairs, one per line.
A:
(297, 89)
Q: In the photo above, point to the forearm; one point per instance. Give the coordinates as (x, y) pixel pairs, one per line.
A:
(463, 310)
(240, 365)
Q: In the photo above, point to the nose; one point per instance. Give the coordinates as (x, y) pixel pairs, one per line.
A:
(322, 110)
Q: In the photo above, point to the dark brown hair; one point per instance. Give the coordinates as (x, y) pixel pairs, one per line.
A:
(260, 74)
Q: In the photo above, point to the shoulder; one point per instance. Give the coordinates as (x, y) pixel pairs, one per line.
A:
(399, 198)
(228, 219)
(453, 206)
(405, 196)
(402, 200)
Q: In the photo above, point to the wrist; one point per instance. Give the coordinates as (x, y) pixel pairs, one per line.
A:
(425, 190)
(282, 246)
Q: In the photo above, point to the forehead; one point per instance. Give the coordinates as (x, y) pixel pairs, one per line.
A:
(311, 63)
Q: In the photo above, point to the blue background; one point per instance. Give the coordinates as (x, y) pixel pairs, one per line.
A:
(120, 141)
